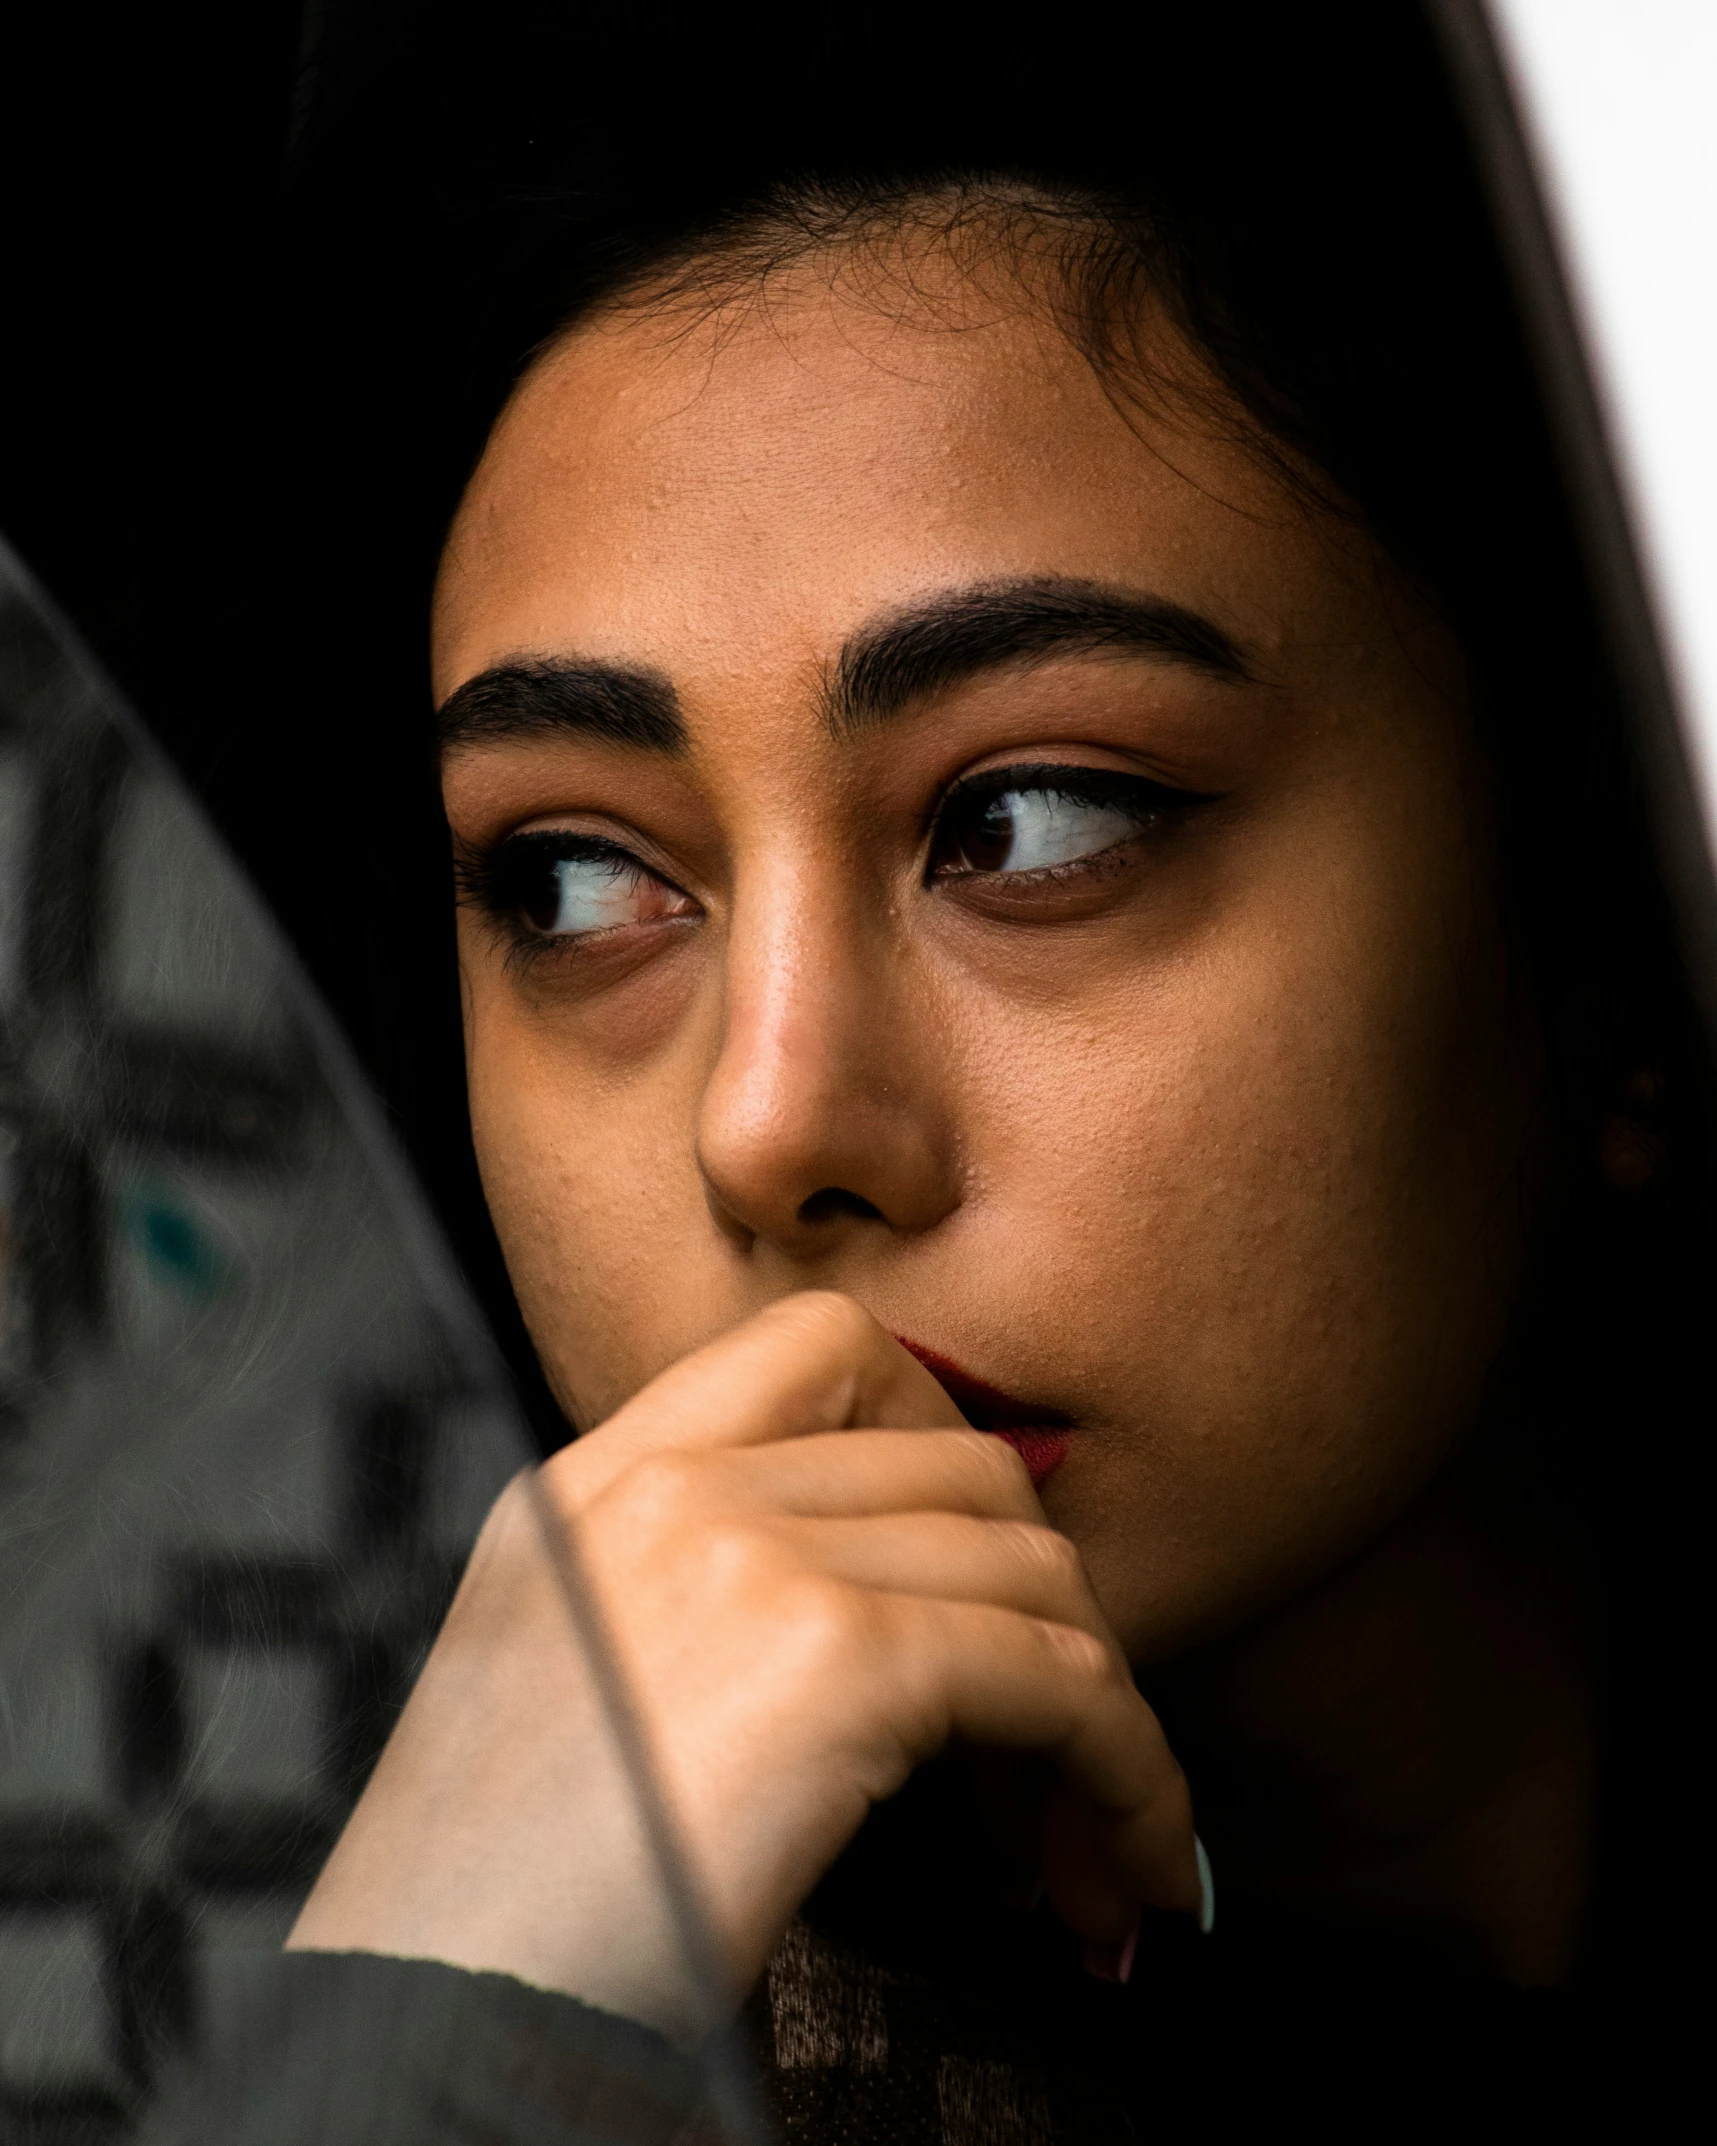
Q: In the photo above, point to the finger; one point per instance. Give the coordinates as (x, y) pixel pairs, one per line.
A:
(1097, 1868)
(995, 1677)
(752, 1499)
(951, 1556)
(852, 1474)
(813, 1362)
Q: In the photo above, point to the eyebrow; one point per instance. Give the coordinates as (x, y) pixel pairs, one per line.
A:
(884, 668)
(887, 667)
(613, 703)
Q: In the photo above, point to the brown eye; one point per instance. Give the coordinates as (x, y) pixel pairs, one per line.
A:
(983, 840)
(565, 886)
(1031, 820)
(580, 894)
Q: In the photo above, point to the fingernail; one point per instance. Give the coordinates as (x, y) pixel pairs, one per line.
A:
(1113, 1963)
(1206, 1891)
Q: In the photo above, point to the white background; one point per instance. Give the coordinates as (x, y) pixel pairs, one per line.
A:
(1619, 98)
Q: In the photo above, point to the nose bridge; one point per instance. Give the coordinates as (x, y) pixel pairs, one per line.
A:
(806, 1013)
(801, 963)
(818, 1084)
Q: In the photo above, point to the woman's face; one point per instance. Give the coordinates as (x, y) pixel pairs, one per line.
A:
(947, 841)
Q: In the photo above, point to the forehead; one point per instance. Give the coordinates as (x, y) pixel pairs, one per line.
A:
(740, 489)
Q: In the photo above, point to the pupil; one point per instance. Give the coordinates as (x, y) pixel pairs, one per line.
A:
(988, 842)
(541, 893)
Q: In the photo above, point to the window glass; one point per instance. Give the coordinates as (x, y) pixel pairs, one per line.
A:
(248, 1428)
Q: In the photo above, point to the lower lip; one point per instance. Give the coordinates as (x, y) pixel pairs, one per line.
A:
(1042, 1451)
(1042, 1446)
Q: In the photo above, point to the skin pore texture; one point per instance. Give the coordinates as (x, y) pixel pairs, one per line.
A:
(1216, 1135)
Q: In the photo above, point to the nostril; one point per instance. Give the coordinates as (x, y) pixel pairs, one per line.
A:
(832, 1203)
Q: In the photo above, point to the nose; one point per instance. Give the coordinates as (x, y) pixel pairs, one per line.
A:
(823, 1112)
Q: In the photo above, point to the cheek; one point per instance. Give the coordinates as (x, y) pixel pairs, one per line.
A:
(1274, 1191)
(595, 1198)
(1330, 1057)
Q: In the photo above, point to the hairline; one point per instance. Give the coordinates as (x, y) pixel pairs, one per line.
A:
(1098, 291)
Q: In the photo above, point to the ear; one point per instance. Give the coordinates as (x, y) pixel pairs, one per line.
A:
(1631, 1145)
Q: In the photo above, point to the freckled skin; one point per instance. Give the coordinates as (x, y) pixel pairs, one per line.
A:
(1227, 1163)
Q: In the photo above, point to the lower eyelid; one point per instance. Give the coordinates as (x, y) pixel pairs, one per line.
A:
(1070, 864)
(1046, 874)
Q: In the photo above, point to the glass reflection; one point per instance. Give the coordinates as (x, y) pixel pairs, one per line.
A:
(247, 1430)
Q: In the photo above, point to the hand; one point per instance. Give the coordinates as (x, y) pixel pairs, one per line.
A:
(812, 1575)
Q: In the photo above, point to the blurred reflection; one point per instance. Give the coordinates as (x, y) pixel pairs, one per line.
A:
(248, 1435)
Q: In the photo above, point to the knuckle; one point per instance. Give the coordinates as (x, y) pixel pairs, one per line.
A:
(661, 1487)
(1049, 1555)
(738, 1558)
(995, 1462)
(1079, 1654)
(824, 1624)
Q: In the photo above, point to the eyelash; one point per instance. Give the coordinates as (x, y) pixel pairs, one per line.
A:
(495, 880)
(1147, 804)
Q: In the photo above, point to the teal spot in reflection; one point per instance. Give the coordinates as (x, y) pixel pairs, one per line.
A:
(174, 1245)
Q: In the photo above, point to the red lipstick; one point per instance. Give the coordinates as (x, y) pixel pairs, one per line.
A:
(1039, 1435)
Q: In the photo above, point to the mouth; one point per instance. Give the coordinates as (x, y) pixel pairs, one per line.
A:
(1039, 1435)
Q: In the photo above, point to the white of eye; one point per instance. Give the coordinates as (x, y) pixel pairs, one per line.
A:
(1047, 827)
(596, 893)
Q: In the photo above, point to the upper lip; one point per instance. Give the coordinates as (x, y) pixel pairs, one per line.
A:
(984, 1406)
